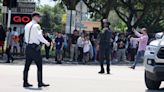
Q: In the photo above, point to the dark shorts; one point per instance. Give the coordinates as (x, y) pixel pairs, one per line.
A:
(59, 52)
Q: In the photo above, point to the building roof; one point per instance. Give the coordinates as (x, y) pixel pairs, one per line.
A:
(90, 25)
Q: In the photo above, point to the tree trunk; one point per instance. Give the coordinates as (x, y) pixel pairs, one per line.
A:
(129, 30)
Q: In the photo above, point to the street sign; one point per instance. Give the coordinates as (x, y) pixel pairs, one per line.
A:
(20, 18)
(24, 7)
(70, 22)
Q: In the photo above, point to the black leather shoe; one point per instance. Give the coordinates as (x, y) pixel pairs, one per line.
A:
(108, 72)
(12, 60)
(43, 85)
(101, 72)
(8, 62)
(58, 62)
(108, 69)
(27, 85)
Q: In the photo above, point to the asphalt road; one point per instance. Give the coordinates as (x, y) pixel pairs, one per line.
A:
(75, 78)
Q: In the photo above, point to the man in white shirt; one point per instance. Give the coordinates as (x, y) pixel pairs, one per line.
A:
(33, 37)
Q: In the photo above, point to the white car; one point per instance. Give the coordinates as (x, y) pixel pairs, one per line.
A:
(154, 63)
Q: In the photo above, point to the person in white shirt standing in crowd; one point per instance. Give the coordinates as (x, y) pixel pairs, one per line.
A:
(33, 38)
(15, 41)
(80, 41)
(86, 49)
(8, 47)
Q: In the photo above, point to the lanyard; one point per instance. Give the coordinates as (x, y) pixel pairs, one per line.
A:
(30, 33)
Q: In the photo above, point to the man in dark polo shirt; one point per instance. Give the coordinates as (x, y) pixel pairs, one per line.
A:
(105, 46)
(121, 52)
(73, 47)
(59, 44)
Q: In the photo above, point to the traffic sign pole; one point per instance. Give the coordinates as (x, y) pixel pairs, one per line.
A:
(9, 18)
(9, 15)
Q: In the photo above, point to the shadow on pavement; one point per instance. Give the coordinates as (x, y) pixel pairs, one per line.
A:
(33, 88)
(160, 90)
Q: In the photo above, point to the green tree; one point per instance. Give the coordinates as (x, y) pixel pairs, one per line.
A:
(46, 21)
(154, 20)
(100, 7)
(116, 23)
(133, 12)
(71, 4)
(58, 11)
(52, 16)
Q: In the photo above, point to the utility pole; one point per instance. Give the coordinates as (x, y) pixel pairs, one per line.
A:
(9, 15)
(81, 13)
(70, 21)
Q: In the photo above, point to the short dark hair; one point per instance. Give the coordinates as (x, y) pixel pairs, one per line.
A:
(9, 28)
(36, 14)
(75, 30)
(59, 32)
(86, 35)
(145, 29)
(15, 28)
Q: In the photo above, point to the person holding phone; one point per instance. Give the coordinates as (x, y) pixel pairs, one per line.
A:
(143, 40)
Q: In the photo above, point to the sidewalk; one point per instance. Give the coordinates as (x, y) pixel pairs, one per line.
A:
(21, 61)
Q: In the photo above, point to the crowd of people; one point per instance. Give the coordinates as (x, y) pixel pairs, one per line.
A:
(12, 41)
(82, 47)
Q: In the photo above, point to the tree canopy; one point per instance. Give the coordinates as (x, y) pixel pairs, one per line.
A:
(134, 13)
(52, 17)
(122, 13)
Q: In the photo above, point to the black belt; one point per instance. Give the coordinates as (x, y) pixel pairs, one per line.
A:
(34, 46)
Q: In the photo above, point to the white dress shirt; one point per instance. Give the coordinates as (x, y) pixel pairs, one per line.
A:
(87, 45)
(80, 41)
(36, 35)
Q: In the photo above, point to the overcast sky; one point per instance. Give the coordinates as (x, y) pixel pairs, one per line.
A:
(47, 2)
